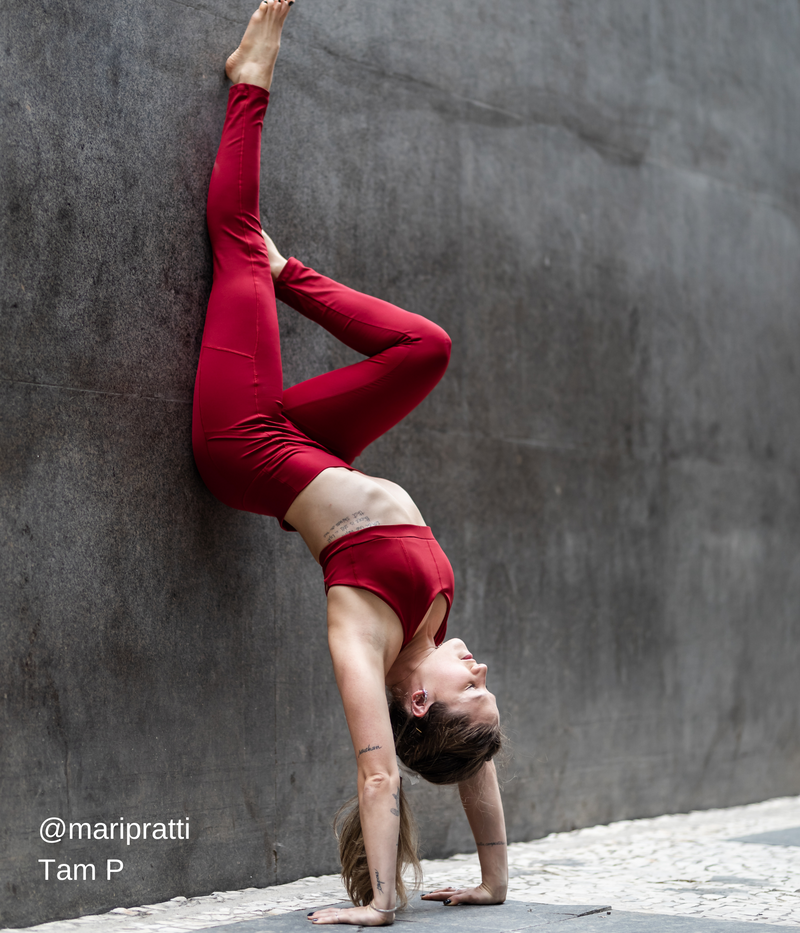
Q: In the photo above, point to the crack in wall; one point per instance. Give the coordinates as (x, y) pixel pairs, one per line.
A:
(575, 124)
(106, 392)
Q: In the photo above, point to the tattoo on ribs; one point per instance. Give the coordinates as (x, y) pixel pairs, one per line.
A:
(378, 883)
(344, 526)
(396, 812)
(369, 748)
(491, 843)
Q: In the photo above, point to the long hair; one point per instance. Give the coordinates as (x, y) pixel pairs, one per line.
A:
(443, 748)
(353, 852)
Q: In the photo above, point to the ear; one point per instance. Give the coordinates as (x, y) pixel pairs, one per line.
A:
(420, 703)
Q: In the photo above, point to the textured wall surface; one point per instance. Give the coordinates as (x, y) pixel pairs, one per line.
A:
(599, 200)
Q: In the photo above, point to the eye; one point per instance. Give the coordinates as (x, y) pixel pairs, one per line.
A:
(471, 685)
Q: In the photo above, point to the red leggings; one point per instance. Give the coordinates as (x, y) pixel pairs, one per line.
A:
(256, 445)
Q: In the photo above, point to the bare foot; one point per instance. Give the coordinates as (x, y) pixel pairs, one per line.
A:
(276, 261)
(254, 61)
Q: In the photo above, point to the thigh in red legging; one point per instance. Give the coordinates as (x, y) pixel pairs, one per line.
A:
(349, 408)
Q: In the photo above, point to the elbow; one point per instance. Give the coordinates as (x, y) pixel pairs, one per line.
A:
(378, 783)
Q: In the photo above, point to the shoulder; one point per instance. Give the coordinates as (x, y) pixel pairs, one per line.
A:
(362, 624)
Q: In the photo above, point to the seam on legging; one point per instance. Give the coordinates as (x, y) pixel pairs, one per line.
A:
(319, 304)
(247, 356)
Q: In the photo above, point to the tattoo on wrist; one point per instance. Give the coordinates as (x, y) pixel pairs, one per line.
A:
(369, 748)
(378, 883)
(396, 812)
(491, 843)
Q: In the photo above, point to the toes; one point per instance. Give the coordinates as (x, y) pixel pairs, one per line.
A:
(276, 6)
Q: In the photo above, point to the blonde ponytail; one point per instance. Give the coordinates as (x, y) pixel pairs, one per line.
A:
(353, 855)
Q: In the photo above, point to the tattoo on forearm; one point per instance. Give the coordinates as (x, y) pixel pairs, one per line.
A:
(396, 812)
(354, 522)
(369, 748)
(491, 843)
(378, 883)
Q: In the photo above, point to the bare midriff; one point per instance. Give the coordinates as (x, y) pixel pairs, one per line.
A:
(341, 501)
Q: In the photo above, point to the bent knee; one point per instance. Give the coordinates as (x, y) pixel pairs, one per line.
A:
(433, 346)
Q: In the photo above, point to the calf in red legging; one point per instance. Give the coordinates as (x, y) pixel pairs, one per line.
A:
(289, 453)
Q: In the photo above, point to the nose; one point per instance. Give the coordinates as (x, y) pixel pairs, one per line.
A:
(480, 670)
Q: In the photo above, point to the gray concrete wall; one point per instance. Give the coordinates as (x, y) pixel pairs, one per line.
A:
(599, 200)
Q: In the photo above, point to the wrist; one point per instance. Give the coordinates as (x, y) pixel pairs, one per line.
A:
(382, 915)
(497, 886)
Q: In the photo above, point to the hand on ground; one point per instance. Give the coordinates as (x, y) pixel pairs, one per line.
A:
(361, 916)
(451, 896)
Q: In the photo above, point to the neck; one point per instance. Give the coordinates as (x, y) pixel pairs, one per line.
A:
(401, 679)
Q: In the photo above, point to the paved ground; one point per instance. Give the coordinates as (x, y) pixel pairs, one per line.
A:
(673, 873)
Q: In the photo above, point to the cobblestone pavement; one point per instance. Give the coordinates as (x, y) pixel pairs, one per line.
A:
(690, 865)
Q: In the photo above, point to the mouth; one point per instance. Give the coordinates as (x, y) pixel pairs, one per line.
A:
(467, 657)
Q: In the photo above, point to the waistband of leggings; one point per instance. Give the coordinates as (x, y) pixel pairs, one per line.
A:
(375, 533)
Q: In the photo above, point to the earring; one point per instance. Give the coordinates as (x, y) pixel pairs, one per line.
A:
(424, 696)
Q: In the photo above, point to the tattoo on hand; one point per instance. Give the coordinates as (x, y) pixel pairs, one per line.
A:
(378, 883)
(491, 843)
(396, 812)
(369, 748)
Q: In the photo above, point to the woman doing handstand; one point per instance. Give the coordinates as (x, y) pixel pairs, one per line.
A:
(289, 454)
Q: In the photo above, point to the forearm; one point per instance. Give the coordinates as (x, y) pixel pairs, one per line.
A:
(379, 806)
(483, 806)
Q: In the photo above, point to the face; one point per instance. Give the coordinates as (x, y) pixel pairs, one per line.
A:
(455, 678)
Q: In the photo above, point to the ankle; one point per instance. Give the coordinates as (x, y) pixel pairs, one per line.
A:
(258, 75)
(277, 262)
(276, 267)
